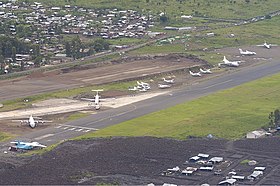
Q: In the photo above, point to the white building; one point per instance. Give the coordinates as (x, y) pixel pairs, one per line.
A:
(255, 134)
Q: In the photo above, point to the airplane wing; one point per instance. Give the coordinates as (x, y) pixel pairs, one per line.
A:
(43, 121)
(36, 144)
(22, 121)
(88, 99)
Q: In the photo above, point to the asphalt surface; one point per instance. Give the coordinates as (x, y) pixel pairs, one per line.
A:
(110, 117)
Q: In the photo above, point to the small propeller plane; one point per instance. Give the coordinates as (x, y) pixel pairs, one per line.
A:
(206, 71)
(162, 86)
(33, 122)
(230, 63)
(133, 88)
(96, 99)
(266, 45)
(247, 52)
(143, 87)
(171, 81)
(195, 74)
(27, 145)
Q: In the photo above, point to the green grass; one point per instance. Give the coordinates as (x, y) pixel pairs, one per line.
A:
(252, 34)
(76, 115)
(174, 9)
(228, 114)
(5, 136)
(246, 161)
(155, 49)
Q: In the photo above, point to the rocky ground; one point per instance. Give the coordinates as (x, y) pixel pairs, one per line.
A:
(140, 161)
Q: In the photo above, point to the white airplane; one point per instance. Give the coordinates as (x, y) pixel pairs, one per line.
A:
(27, 145)
(171, 81)
(266, 45)
(143, 86)
(143, 83)
(247, 52)
(162, 86)
(133, 88)
(187, 16)
(96, 99)
(195, 74)
(229, 63)
(206, 71)
(33, 122)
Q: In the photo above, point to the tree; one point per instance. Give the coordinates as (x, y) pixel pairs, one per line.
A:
(163, 18)
(38, 61)
(68, 49)
(14, 51)
(271, 119)
(2, 63)
(276, 117)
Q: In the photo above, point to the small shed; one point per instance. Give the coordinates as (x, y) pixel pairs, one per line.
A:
(230, 181)
(255, 174)
(216, 160)
(255, 134)
(203, 156)
(194, 158)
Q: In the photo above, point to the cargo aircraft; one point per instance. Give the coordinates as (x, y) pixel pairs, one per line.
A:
(33, 122)
(96, 100)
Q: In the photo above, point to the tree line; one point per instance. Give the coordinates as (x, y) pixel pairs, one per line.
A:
(10, 46)
(76, 49)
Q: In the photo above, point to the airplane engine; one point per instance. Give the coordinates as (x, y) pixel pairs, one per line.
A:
(97, 107)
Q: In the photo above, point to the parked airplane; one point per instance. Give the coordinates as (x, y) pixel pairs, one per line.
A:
(187, 16)
(195, 74)
(27, 145)
(247, 52)
(143, 83)
(142, 86)
(229, 63)
(33, 122)
(206, 71)
(168, 80)
(162, 86)
(266, 45)
(133, 88)
(96, 99)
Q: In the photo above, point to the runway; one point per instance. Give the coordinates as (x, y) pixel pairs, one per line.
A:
(114, 116)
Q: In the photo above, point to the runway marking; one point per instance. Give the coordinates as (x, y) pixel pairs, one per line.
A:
(58, 127)
(217, 84)
(78, 130)
(80, 127)
(86, 131)
(65, 128)
(72, 129)
(44, 136)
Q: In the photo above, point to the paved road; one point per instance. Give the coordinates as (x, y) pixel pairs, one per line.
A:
(113, 116)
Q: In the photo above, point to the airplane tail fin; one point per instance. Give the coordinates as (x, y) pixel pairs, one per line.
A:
(225, 59)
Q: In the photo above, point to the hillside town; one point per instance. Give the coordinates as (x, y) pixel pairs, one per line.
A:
(45, 32)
